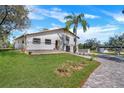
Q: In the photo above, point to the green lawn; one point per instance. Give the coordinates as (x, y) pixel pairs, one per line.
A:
(21, 70)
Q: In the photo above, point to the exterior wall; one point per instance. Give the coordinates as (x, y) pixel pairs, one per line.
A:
(19, 44)
(71, 42)
(42, 45)
(53, 36)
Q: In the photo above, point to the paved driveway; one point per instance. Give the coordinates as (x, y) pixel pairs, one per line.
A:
(109, 74)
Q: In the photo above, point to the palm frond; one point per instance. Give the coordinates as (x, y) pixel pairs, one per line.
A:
(84, 25)
(80, 17)
(75, 20)
(68, 24)
(68, 17)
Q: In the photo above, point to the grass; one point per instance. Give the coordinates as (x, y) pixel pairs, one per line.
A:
(21, 70)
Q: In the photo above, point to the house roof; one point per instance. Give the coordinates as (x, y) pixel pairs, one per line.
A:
(45, 31)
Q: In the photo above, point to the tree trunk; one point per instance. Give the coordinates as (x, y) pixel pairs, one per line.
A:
(75, 32)
(120, 50)
(75, 48)
(4, 16)
(5, 40)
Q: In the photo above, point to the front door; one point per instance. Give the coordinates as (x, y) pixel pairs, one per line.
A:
(67, 48)
(56, 44)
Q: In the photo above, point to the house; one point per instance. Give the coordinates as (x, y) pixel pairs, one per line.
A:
(47, 40)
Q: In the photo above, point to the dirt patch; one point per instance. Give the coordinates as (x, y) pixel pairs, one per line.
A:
(67, 69)
(63, 73)
(77, 67)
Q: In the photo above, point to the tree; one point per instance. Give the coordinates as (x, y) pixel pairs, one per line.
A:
(81, 46)
(106, 44)
(117, 41)
(75, 20)
(12, 18)
(91, 43)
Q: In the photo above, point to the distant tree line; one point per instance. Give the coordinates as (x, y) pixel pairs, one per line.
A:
(115, 41)
(90, 44)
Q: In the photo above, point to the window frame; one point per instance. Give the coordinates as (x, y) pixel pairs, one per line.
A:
(37, 42)
(48, 41)
(22, 41)
(67, 39)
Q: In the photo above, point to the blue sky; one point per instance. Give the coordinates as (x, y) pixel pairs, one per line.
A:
(105, 21)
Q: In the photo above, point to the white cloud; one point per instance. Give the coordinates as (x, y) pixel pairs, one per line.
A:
(55, 26)
(33, 29)
(117, 16)
(91, 16)
(35, 16)
(32, 14)
(56, 9)
(56, 13)
(102, 33)
(102, 29)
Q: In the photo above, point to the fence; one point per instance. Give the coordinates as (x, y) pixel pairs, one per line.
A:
(84, 51)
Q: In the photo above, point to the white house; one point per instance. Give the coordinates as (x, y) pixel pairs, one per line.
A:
(48, 40)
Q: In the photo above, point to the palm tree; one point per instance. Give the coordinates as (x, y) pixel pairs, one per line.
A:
(75, 20)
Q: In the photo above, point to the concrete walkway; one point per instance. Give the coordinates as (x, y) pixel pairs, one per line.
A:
(109, 74)
(112, 57)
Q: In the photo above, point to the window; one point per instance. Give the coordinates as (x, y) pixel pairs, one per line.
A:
(22, 41)
(36, 40)
(67, 39)
(74, 39)
(47, 41)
